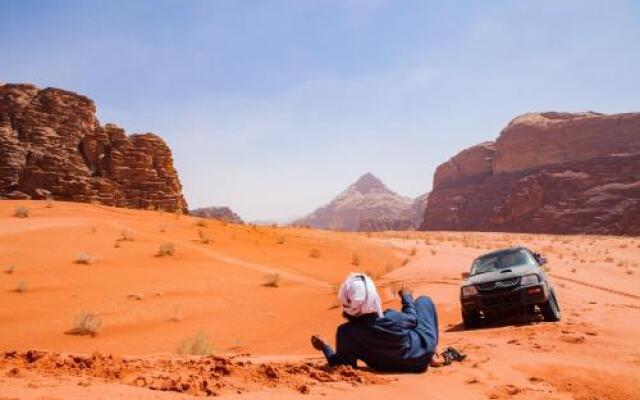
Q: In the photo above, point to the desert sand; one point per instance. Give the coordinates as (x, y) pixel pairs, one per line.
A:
(215, 284)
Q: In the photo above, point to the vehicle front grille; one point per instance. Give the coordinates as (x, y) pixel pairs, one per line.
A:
(499, 285)
(500, 300)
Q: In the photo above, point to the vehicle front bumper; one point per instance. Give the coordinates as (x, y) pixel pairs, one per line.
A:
(500, 301)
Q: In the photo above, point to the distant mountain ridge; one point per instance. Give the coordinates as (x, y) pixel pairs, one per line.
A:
(367, 205)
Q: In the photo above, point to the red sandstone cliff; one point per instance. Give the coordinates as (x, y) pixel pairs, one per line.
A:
(51, 143)
(546, 173)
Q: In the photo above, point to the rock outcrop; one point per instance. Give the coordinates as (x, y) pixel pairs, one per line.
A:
(546, 173)
(220, 213)
(52, 144)
(367, 205)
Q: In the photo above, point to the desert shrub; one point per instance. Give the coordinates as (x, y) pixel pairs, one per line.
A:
(355, 259)
(201, 223)
(49, 202)
(405, 262)
(198, 345)
(93, 229)
(314, 253)
(9, 269)
(629, 272)
(126, 235)
(608, 259)
(272, 280)
(162, 229)
(205, 236)
(413, 252)
(281, 240)
(85, 324)
(21, 287)
(179, 213)
(176, 315)
(166, 250)
(83, 258)
(433, 252)
(21, 212)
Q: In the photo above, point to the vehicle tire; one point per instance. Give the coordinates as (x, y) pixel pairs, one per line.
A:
(471, 320)
(551, 309)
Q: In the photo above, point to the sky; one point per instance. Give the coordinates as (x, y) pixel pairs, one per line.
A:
(274, 107)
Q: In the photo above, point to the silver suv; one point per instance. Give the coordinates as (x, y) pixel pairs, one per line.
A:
(505, 281)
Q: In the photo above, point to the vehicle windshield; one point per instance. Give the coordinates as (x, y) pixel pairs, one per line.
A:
(502, 260)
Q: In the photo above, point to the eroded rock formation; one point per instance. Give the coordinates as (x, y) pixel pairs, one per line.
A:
(220, 213)
(51, 143)
(546, 173)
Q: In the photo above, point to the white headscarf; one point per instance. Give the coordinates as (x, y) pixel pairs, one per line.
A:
(359, 296)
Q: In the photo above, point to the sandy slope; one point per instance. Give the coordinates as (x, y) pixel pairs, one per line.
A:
(218, 288)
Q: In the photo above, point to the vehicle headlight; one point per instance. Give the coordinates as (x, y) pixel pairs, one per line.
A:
(469, 291)
(530, 280)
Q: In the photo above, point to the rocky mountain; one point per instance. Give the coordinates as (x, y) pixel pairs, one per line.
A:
(221, 213)
(546, 173)
(367, 205)
(52, 144)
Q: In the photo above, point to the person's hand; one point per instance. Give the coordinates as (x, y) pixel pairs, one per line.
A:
(317, 342)
(405, 290)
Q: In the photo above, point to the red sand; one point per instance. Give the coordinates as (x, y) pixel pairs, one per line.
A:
(149, 304)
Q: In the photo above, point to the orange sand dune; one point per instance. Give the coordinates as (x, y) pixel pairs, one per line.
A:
(148, 305)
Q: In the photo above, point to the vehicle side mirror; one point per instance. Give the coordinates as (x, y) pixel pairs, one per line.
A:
(542, 260)
(465, 275)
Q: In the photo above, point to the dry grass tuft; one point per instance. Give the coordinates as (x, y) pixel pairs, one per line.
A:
(314, 253)
(198, 345)
(202, 223)
(413, 252)
(83, 259)
(49, 202)
(85, 324)
(205, 236)
(126, 236)
(405, 262)
(21, 212)
(166, 250)
(433, 252)
(179, 213)
(21, 287)
(355, 259)
(9, 269)
(281, 240)
(272, 280)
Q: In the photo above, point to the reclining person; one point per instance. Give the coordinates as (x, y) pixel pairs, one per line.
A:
(392, 341)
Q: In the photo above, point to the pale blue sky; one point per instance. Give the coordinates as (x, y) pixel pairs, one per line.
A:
(273, 107)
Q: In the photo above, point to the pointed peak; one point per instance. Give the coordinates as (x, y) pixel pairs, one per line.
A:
(368, 182)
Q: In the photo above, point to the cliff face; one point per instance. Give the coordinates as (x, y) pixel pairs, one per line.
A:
(367, 205)
(51, 143)
(546, 173)
(221, 213)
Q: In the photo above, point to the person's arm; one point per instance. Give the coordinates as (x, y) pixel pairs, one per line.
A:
(409, 314)
(345, 354)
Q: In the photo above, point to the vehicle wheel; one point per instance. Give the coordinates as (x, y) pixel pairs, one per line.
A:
(471, 321)
(551, 309)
